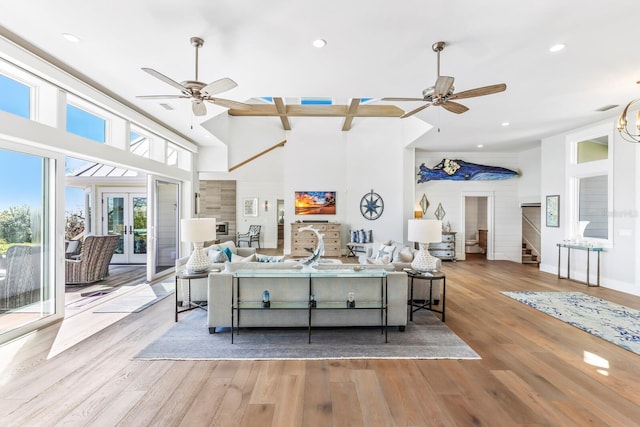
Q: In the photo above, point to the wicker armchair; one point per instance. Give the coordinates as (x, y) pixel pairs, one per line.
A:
(22, 282)
(253, 235)
(93, 263)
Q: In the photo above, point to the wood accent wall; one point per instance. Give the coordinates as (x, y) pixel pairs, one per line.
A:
(218, 200)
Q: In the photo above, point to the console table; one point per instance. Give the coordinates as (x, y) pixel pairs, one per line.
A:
(323, 290)
(588, 250)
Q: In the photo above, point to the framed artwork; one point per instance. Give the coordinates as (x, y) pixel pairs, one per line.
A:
(250, 207)
(315, 202)
(553, 211)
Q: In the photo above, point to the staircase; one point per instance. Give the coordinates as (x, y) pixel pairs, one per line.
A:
(528, 257)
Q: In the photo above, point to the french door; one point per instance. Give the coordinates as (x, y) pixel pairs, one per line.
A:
(126, 214)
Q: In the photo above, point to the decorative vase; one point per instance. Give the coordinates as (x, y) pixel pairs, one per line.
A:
(581, 227)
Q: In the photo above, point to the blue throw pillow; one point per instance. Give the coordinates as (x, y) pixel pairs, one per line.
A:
(228, 252)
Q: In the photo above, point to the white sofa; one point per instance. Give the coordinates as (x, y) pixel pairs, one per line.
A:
(296, 288)
(199, 286)
(401, 259)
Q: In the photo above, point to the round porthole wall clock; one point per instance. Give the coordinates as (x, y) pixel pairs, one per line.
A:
(371, 205)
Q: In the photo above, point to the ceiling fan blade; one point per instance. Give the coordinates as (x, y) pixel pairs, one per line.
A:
(198, 108)
(454, 107)
(412, 112)
(443, 85)
(162, 96)
(227, 103)
(402, 99)
(219, 86)
(480, 91)
(167, 80)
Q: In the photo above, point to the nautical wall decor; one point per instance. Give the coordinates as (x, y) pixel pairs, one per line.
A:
(459, 170)
(371, 206)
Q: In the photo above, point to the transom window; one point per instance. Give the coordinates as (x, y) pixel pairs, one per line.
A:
(83, 123)
(15, 97)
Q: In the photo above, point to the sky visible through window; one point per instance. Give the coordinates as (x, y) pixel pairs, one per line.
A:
(22, 173)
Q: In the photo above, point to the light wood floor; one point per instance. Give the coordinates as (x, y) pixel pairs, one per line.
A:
(535, 370)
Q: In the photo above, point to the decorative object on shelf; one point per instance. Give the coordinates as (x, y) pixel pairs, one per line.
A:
(250, 207)
(623, 129)
(424, 204)
(198, 231)
(553, 211)
(371, 206)
(351, 300)
(424, 231)
(447, 228)
(310, 261)
(315, 202)
(581, 227)
(440, 213)
(459, 170)
(266, 299)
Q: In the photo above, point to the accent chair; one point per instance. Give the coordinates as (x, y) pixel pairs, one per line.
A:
(93, 263)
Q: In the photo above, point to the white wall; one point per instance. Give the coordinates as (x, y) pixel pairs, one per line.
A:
(507, 227)
(619, 266)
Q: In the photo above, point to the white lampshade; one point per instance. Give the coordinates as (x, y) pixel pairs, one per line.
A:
(424, 230)
(198, 229)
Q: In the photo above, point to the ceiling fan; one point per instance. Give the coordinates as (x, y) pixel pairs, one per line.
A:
(442, 93)
(197, 91)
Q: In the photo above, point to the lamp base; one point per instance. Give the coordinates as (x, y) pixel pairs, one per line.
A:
(424, 261)
(198, 261)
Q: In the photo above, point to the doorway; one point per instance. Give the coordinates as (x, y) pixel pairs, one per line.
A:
(125, 214)
(476, 238)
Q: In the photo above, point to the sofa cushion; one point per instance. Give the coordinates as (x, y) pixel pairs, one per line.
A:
(269, 258)
(385, 251)
(385, 260)
(229, 244)
(231, 267)
(218, 256)
(238, 258)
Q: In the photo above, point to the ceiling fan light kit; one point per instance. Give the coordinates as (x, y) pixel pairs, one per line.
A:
(197, 91)
(442, 94)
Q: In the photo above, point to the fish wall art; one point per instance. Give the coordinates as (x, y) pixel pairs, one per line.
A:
(459, 170)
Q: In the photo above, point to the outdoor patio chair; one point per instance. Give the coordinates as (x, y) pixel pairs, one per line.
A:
(253, 235)
(93, 263)
(21, 284)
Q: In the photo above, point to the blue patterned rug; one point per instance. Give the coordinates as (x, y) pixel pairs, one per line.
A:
(615, 323)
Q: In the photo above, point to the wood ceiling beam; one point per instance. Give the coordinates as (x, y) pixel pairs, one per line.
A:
(282, 111)
(279, 109)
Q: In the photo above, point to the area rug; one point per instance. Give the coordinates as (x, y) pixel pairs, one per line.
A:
(138, 300)
(189, 339)
(615, 323)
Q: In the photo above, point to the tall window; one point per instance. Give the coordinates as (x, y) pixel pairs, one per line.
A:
(15, 97)
(590, 190)
(27, 294)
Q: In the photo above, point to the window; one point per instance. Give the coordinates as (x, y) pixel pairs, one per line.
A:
(139, 144)
(83, 123)
(15, 97)
(590, 189)
(24, 215)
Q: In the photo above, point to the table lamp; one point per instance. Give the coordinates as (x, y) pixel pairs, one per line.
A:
(198, 231)
(424, 231)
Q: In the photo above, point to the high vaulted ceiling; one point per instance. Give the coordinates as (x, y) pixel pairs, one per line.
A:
(375, 49)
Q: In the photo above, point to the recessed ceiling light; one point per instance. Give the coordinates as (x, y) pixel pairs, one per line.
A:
(319, 43)
(557, 47)
(505, 124)
(71, 37)
(479, 145)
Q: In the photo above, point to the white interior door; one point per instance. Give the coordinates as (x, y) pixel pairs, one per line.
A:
(125, 214)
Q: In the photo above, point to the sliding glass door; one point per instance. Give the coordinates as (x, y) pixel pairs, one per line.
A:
(165, 215)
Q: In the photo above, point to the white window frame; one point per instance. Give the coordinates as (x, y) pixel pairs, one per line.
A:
(575, 171)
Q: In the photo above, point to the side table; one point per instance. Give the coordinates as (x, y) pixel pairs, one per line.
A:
(427, 305)
(185, 275)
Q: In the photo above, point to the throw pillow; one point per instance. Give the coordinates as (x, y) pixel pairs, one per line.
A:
(385, 250)
(269, 258)
(230, 254)
(218, 256)
(406, 254)
(238, 258)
